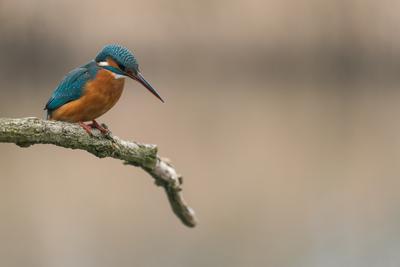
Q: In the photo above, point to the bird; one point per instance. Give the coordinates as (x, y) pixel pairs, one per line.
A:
(91, 90)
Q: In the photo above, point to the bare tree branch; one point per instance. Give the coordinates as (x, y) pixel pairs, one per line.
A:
(25, 132)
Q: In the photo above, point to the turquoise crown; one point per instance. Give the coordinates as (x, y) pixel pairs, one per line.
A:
(120, 54)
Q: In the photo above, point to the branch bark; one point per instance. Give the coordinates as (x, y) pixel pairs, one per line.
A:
(25, 132)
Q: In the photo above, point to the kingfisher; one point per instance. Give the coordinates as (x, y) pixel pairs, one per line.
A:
(89, 91)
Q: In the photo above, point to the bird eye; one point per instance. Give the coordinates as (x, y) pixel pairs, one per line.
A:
(122, 67)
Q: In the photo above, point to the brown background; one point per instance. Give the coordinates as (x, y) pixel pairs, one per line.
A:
(283, 117)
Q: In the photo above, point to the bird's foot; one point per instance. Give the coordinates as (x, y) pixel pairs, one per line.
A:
(86, 127)
(102, 129)
(94, 125)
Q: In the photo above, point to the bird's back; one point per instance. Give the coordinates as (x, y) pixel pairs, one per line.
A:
(72, 86)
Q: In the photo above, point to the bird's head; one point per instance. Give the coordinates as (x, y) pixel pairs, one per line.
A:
(121, 61)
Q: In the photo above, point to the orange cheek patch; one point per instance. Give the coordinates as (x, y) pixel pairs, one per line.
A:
(111, 62)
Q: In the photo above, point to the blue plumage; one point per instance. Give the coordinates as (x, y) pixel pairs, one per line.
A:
(72, 86)
(122, 55)
(106, 76)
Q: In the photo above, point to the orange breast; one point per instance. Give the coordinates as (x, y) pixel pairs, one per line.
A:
(99, 96)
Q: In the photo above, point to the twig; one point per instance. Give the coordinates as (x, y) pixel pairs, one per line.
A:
(25, 132)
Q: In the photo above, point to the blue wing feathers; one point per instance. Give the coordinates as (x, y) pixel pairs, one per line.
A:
(69, 89)
(72, 86)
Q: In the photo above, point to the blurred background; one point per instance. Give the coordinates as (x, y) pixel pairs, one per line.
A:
(283, 117)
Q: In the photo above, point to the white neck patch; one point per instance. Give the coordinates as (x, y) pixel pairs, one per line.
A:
(103, 63)
(116, 76)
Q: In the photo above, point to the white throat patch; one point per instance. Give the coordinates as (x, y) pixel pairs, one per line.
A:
(117, 76)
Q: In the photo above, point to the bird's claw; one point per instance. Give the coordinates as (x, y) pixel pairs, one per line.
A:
(94, 125)
(99, 127)
(86, 127)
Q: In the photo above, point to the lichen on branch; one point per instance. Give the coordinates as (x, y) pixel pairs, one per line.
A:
(25, 132)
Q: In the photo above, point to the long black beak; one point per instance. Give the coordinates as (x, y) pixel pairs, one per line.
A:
(139, 77)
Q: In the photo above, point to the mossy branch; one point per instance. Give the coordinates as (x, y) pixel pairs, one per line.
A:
(25, 132)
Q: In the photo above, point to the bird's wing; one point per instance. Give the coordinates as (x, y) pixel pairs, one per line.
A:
(70, 88)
